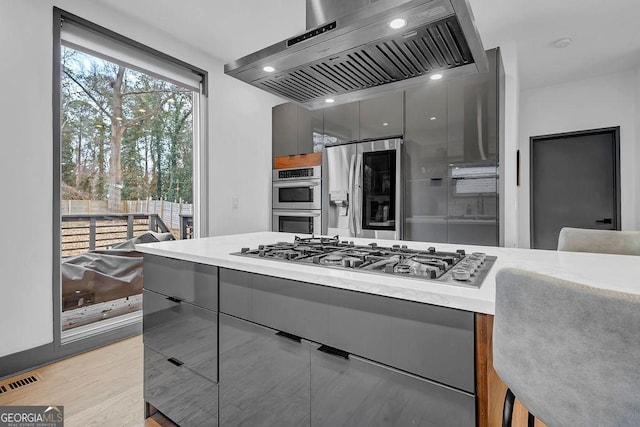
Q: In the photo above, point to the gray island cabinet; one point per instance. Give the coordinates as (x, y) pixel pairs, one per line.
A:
(236, 348)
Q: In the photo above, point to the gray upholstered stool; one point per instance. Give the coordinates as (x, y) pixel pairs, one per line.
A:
(599, 241)
(570, 353)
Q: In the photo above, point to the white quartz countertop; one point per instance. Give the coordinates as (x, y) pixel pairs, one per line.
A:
(616, 272)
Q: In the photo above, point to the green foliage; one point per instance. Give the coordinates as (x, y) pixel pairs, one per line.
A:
(157, 140)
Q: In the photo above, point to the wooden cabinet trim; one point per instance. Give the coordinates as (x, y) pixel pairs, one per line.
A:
(298, 161)
(490, 389)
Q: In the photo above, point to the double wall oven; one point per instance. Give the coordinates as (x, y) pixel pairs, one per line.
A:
(297, 200)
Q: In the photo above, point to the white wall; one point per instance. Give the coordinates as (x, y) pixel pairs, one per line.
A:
(240, 155)
(636, 114)
(605, 101)
(509, 195)
(239, 148)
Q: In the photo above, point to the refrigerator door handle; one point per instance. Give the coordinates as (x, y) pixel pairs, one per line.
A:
(351, 195)
(357, 209)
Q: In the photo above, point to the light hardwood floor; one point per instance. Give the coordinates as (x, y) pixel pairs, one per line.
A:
(99, 388)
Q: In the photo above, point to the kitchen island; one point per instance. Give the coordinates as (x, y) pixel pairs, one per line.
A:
(265, 342)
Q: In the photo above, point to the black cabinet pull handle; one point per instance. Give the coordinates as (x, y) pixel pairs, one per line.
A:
(175, 361)
(334, 351)
(604, 221)
(289, 336)
(174, 299)
(436, 179)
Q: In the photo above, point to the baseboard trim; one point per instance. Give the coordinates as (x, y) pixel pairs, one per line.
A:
(27, 360)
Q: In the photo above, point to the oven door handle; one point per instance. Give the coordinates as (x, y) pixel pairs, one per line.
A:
(309, 184)
(296, 213)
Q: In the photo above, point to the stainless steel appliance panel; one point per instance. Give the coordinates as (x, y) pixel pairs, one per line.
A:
(299, 188)
(363, 183)
(297, 221)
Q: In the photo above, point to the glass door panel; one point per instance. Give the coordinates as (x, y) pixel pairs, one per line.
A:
(126, 178)
(379, 190)
(296, 224)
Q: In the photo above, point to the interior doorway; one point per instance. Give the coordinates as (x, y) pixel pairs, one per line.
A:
(575, 182)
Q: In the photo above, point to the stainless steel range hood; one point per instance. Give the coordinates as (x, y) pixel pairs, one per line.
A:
(350, 51)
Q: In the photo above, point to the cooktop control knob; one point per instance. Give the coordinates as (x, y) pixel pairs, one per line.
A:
(460, 274)
(373, 245)
(244, 250)
(479, 255)
(405, 247)
(432, 250)
(471, 267)
(461, 252)
(396, 246)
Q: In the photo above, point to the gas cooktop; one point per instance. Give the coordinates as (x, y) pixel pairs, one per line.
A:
(456, 267)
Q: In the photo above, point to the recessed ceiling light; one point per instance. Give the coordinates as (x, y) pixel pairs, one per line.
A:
(436, 77)
(98, 126)
(171, 100)
(432, 118)
(397, 23)
(119, 119)
(385, 124)
(329, 100)
(562, 43)
(142, 110)
(269, 69)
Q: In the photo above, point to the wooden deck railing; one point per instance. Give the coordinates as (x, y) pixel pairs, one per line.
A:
(85, 232)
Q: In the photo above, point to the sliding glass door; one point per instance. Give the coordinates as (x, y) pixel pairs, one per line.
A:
(128, 162)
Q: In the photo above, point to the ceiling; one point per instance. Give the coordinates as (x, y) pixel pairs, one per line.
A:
(605, 36)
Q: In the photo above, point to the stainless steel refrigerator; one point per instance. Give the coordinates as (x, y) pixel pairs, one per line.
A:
(362, 189)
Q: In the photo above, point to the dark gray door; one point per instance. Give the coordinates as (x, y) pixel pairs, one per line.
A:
(574, 183)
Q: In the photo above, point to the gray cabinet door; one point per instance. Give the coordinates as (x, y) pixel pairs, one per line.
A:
(188, 281)
(310, 128)
(185, 397)
(284, 129)
(287, 305)
(425, 137)
(472, 114)
(426, 210)
(381, 116)
(426, 164)
(182, 331)
(473, 211)
(342, 123)
(430, 341)
(473, 144)
(350, 391)
(264, 376)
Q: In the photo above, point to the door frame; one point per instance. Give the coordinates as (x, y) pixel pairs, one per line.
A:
(615, 130)
(58, 349)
